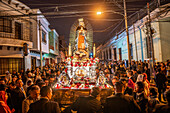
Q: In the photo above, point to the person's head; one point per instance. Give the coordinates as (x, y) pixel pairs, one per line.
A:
(29, 74)
(114, 80)
(34, 91)
(119, 87)
(46, 81)
(3, 87)
(19, 83)
(14, 72)
(95, 91)
(140, 87)
(29, 82)
(22, 70)
(41, 84)
(52, 79)
(14, 78)
(146, 67)
(12, 86)
(46, 91)
(153, 92)
(167, 95)
(2, 81)
(38, 80)
(7, 72)
(124, 82)
(134, 71)
(19, 76)
(129, 73)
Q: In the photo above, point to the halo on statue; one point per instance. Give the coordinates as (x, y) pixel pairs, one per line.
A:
(63, 79)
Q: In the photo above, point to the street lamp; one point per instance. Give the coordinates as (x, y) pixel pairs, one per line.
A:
(99, 13)
(126, 26)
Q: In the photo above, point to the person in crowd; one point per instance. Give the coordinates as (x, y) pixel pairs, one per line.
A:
(44, 105)
(131, 80)
(147, 71)
(142, 78)
(29, 82)
(14, 73)
(2, 81)
(29, 76)
(141, 97)
(51, 80)
(163, 68)
(135, 75)
(160, 83)
(9, 91)
(8, 76)
(133, 66)
(24, 77)
(41, 84)
(168, 67)
(46, 81)
(4, 108)
(153, 101)
(89, 104)
(33, 96)
(18, 95)
(164, 108)
(119, 103)
(14, 78)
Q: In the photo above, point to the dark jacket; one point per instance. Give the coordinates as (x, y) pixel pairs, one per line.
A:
(17, 96)
(120, 103)
(162, 109)
(44, 106)
(87, 104)
(160, 80)
(142, 101)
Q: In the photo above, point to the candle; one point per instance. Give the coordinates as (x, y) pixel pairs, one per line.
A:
(94, 51)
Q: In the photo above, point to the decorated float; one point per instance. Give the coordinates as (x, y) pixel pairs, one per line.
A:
(81, 67)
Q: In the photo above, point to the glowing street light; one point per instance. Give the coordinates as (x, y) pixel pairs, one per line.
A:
(99, 13)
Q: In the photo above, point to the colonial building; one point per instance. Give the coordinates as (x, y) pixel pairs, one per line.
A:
(17, 29)
(116, 48)
(53, 56)
(14, 32)
(42, 33)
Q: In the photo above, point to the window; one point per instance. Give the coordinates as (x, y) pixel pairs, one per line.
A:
(44, 36)
(15, 48)
(10, 64)
(60, 43)
(110, 53)
(131, 51)
(56, 45)
(5, 25)
(8, 48)
(18, 30)
(120, 54)
(115, 54)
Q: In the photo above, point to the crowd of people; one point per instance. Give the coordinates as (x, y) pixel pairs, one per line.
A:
(136, 90)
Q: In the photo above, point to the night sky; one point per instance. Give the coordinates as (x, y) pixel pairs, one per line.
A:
(103, 25)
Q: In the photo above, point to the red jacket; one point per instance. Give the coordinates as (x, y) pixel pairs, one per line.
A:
(4, 108)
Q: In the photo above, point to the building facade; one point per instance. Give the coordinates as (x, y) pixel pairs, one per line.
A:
(14, 32)
(53, 56)
(16, 29)
(116, 48)
(40, 36)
